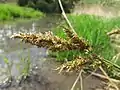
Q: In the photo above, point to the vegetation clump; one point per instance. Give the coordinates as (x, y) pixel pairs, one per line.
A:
(89, 57)
(53, 42)
(94, 30)
(72, 42)
(12, 11)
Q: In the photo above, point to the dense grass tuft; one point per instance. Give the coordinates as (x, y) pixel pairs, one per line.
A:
(94, 30)
(12, 11)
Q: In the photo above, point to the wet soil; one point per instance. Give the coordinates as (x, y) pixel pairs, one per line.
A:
(98, 10)
(45, 78)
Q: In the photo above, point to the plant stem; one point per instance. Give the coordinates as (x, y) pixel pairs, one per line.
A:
(65, 17)
(81, 81)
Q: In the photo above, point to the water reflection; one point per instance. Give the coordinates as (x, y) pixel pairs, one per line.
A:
(14, 49)
(34, 26)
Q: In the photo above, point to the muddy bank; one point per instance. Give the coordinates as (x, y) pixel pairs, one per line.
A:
(45, 78)
(98, 10)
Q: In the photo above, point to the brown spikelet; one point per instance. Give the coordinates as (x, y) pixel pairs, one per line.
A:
(75, 39)
(69, 33)
(50, 41)
(116, 31)
(73, 65)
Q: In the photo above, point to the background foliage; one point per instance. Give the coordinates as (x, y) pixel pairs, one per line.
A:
(48, 6)
(12, 11)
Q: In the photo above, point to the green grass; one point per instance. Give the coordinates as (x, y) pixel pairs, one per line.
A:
(93, 29)
(12, 11)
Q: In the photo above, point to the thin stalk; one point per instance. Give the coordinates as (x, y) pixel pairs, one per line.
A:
(108, 78)
(65, 17)
(103, 77)
(81, 81)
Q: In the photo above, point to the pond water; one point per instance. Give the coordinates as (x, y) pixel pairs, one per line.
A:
(43, 76)
(15, 50)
